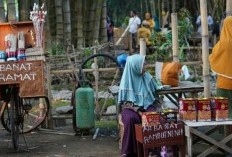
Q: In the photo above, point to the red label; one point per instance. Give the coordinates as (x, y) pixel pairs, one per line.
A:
(187, 105)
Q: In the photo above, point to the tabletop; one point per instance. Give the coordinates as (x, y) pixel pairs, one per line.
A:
(184, 86)
(209, 123)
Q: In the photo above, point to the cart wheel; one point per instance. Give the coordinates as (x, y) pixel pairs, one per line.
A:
(33, 113)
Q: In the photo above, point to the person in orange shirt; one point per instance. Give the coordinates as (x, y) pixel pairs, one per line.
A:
(221, 62)
(149, 19)
(145, 32)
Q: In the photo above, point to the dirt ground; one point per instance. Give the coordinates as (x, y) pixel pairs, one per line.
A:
(41, 144)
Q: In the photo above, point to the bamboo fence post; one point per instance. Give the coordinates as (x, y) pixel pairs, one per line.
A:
(143, 46)
(205, 47)
(49, 120)
(175, 44)
(96, 76)
(228, 7)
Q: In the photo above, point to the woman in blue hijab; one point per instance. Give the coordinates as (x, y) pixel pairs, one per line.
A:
(137, 93)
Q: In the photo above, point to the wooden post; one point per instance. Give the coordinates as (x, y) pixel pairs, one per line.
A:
(175, 44)
(205, 47)
(143, 46)
(96, 76)
(228, 7)
(49, 120)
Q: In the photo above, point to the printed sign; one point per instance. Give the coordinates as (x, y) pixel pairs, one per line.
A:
(160, 134)
(30, 75)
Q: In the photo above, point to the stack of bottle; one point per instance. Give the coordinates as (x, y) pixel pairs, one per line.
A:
(13, 51)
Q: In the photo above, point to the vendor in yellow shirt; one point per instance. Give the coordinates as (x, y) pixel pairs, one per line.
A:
(145, 32)
(150, 20)
(221, 62)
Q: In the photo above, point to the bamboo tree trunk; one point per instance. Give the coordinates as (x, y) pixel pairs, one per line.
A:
(97, 20)
(24, 10)
(47, 25)
(175, 44)
(228, 7)
(205, 47)
(11, 11)
(59, 21)
(67, 21)
(173, 6)
(80, 37)
(52, 18)
(2, 12)
(141, 6)
(91, 23)
(74, 15)
(160, 12)
(152, 6)
(146, 5)
(103, 30)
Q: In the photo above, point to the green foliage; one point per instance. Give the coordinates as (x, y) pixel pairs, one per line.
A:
(164, 40)
(106, 124)
(86, 53)
(60, 103)
(126, 21)
(56, 49)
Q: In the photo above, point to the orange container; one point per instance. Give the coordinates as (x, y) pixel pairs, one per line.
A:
(187, 109)
(219, 107)
(150, 119)
(203, 109)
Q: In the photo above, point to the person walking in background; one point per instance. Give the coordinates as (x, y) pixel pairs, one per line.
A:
(110, 29)
(221, 62)
(210, 23)
(150, 21)
(134, 24)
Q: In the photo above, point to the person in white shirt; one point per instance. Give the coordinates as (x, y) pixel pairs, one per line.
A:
(134, 24)
(210, 23)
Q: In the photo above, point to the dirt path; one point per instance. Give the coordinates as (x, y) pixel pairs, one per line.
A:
(51, 145)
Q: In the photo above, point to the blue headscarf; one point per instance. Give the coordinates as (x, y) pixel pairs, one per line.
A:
(135, 86)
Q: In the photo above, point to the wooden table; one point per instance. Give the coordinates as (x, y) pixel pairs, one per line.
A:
(174, 93)
(157, 136)
(190, 130)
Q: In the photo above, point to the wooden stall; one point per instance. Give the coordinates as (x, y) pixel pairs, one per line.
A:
(13, 28)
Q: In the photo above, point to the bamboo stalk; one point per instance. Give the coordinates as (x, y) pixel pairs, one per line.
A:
(49, 120)
(59, 21)
(67, 21)
(96, 76)
(173, 6)
(228, 7)
(205, 49)
(11, 11)
(143, 46)
(175, 44)
(2, 12)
